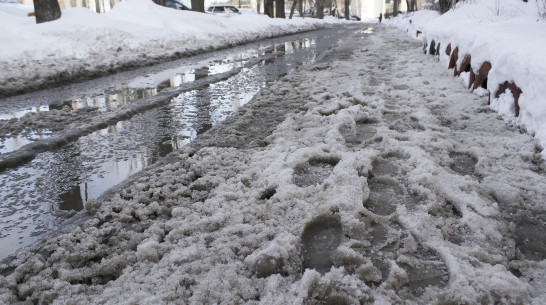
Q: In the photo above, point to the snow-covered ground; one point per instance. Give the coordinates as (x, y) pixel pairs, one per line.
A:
(368, 177)
(509, 35)
(134, 33)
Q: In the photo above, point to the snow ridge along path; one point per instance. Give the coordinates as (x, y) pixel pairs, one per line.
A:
(368, 177)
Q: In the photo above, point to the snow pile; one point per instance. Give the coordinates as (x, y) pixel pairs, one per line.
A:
(507, 34)
(134, 33)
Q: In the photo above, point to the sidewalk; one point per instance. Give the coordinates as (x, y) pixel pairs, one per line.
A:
(374, 167)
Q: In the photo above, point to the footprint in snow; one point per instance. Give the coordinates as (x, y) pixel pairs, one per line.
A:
(387, 244)
(314, 171)
(385, 196)
(359, 134)
(320, 239)
(462, 163)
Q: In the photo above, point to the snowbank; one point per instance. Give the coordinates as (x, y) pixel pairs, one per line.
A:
(506, 34)
(134, 33)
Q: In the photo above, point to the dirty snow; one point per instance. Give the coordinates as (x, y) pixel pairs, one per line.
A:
(510, 35)
(368, 177)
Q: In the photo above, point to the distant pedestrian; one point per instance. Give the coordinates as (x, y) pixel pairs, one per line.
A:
(380, 17)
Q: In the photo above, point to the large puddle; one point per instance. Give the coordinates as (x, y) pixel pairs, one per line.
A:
(37, 197)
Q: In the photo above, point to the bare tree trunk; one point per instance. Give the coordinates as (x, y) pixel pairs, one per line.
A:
(197, 5)
(268, 8)
(46, 10)
(293, 8)
(335, 12)
(347, 9)
(300, 7)
(395, 7)
(445, 5)
(320, 9)
(413, 5)
(279, 12)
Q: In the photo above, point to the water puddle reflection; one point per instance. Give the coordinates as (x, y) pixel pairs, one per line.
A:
(21, 113)
(171, 127)
(366, 31)
(109, 102)
(296, 45)
(13, 143)
(149, 85)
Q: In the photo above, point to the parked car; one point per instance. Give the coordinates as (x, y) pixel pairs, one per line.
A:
(223, 10)
(312, 12)
(177, 5)
(352, 17)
